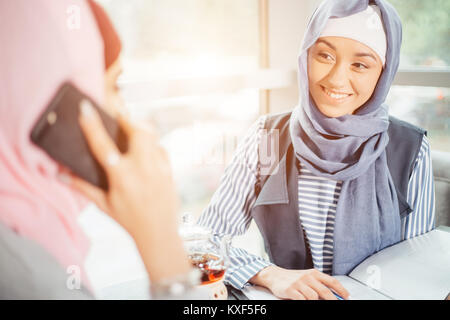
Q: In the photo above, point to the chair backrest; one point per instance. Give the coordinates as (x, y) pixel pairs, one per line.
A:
(441, 172)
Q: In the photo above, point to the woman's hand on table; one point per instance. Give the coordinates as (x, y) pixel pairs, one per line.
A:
(308, 284)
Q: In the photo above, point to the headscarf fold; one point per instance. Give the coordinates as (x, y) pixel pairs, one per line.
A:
(111, 40)
(351, 148)
(44, 43)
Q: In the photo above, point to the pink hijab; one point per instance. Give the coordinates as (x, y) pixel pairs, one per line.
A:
(42, 45)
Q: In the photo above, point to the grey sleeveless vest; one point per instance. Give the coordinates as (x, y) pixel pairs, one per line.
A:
(276, 208)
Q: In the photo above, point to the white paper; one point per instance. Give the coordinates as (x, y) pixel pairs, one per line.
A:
(417, 268)
(359, 291)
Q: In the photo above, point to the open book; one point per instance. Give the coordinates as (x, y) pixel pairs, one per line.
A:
(417, 268)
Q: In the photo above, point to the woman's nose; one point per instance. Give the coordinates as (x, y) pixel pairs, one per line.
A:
(337, 78)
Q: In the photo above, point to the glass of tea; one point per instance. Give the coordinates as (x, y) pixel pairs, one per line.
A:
(209, 253)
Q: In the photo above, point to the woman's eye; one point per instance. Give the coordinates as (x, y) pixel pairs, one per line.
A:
(325, 56)
(360, 66)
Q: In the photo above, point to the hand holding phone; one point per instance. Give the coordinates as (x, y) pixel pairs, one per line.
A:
(141, 195)
(58, 133)
(136, 189)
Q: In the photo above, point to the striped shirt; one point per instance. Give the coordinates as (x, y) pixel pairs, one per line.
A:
(229, 209)
(317, 201)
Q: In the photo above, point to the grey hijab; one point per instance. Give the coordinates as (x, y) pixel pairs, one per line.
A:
(351, 148)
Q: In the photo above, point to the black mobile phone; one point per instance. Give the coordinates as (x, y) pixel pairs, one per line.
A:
(59, 134)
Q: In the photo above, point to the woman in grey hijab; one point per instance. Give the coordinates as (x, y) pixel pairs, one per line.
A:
(350, 180)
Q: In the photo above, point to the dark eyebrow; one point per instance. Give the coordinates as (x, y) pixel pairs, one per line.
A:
(327, 43)
(360, 54)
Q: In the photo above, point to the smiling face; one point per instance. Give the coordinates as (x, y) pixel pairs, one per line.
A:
(342, 75)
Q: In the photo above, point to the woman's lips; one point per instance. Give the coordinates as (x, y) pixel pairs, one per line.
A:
(335, 97)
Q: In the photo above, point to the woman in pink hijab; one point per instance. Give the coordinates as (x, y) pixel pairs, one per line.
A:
(41, 48)
(45, 43)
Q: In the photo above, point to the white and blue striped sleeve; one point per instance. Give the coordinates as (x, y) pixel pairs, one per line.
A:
(228, 212)
(420, 196)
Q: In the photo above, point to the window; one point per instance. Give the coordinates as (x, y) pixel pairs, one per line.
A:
(174, 38)
(425, 33)
(183, 61)
(421, 94)
(426, 107)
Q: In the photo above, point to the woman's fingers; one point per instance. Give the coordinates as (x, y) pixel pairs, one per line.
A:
(334, 284)
(125, 123)
(100, 143)
(308, 292)
(294, 294)
(149, 130)
(323, 291)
